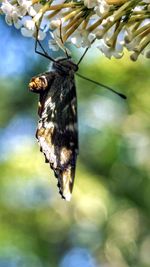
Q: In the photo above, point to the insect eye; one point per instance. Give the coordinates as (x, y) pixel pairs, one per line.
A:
(38, 84)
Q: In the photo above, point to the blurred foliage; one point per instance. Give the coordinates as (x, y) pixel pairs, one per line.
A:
(107, 221)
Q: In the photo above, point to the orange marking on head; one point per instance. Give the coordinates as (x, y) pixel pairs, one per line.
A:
(38, 83)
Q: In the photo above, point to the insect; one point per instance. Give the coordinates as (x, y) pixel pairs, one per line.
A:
(57, 131)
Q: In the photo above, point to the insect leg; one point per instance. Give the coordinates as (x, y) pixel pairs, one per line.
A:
(86, 50)
(44, 53)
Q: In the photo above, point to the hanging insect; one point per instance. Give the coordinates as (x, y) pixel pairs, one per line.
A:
(57, 131)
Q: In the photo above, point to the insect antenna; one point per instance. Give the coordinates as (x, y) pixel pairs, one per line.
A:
(103, 85)
(44, 53)
(97, 83)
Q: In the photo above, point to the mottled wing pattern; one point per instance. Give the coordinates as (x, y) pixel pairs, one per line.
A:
(57, 130)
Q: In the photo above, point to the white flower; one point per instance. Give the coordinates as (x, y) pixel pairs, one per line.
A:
(76, 39)
(56, 36)
(30, 30)
(32, 33)
(30, 24)
(41, 35)
(108, 51)
(7, 8)
(99, 33)
(104, 19)
(11, 14)
(27, 33)
(54, 24)
(23, 7)
(26, 7)
(82, 38)
(53, 45)
(134, 43)
(29, 27)
(25, 3)
(90, 3)
(102, 7)
(34, 9)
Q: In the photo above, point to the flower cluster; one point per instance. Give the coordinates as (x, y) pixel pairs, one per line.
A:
(113, 24)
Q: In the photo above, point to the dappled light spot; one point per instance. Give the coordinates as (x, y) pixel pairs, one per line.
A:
(11, 256)
(16, 136)
(26, 194)
(77, 257)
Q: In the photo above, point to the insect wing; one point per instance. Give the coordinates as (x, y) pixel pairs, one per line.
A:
(57, 131)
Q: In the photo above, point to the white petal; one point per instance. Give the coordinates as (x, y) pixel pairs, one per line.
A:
(21, 11)
(54, 24)
(37, 7)
(41, 35)
(76, 39)
(31, 11)
(14, 17)
(29, 24)
(102, 8)
(90, 3)
(34, 9)
(21, 2)
(53, 45)
(105, 49)
(27, 33)
(18, 24)
(130, 46)
(6, 8)
(8, 19)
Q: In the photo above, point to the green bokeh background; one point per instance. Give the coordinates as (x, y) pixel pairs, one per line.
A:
(106, 224)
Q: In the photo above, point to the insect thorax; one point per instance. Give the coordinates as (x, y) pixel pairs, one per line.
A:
(64, 65)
